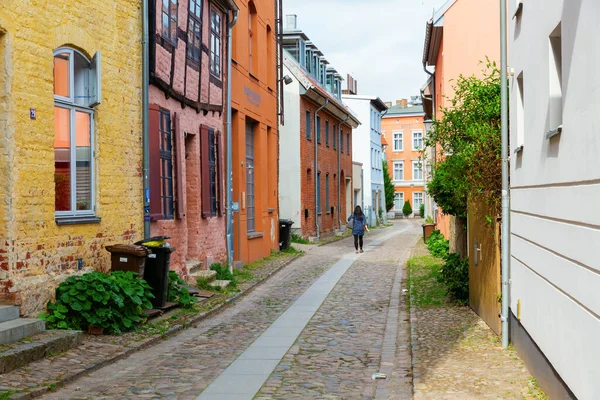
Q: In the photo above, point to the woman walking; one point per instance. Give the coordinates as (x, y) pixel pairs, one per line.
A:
(359, 224)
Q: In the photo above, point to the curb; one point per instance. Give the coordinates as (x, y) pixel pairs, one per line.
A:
(412, 322)
(144, 344)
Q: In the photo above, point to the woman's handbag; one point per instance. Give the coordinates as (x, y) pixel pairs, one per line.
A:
(350, 224)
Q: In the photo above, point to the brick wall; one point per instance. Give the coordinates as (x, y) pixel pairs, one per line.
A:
(328, 165)
(35, 253)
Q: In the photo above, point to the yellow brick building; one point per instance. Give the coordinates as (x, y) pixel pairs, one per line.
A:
(70, 141)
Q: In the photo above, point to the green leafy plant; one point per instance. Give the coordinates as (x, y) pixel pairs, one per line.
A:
(388, 187)
(407, 209)
(178, 293)
(429, 220)
(455, 275)
(422, 210)
(224, 274)
(114, 302)
(298, 239)
(437, 245)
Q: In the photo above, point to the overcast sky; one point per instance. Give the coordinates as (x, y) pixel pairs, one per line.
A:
(378, 42)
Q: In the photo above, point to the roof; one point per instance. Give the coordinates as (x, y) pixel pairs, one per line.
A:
(315, 92)
(433, 34)
(375, 101)
(383, 141)
(398, 110)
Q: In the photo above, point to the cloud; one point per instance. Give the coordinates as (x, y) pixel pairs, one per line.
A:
(379, 42)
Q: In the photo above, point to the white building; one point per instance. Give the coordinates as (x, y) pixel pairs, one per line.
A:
(366, 149)
(555, 188)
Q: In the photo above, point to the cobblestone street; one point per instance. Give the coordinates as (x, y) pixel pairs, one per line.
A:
(352, 335)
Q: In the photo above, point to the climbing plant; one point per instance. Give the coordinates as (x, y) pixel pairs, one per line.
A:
(468, 141)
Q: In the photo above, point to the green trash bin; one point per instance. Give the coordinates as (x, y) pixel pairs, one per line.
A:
(156, 271)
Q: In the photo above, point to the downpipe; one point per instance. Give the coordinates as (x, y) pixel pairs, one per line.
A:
(316, 174)
(145, 129)
(340, 133)
(229, 172)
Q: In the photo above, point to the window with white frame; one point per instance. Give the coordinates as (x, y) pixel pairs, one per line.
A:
(417, 170)
(77, 90)
(398, 144)
(417, 140)
(398, 170)
(417, 201)
(398, 201)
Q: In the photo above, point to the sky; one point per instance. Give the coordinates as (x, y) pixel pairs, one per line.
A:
(378, 42)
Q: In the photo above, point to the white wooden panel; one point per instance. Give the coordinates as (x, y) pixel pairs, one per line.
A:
(565, 332)
(575, 280)
(572, 241)
(571, 203)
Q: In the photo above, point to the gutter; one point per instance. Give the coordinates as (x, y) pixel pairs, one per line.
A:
(316, 174)
(229, 172)
(145, 129)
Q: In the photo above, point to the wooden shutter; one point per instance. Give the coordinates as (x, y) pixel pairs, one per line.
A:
(154, 173)
(204, 171)
(178, 163)
(221, 192)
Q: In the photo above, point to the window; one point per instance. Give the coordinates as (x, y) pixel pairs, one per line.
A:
(77, 90)
(252, 39)
(398, 201)
(555, 84)
(166, 165)
(212, 171)
(398, 145)
(194, 30)
(520, 112)
(318, 192)
(308, 125)
(169, 20)
(348, 142)
(215, 43)
(417, 201)
(341, 140)
(398, 170)
(327, 133)
(334, 136)
(417, 170)
(318, 133)
(417, 140)
(250, 206)
(271, 64)
(327, 193)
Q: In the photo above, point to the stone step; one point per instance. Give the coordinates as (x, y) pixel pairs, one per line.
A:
(17, 329)
(220, 284)
(193, 266)
(21, 353)
(208, 275)
(8, 313)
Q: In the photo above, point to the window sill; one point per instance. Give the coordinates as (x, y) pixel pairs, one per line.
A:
(253, 77)
(271, 210)
(234, 61)
(255, 235)
(554, 132)
(270, 89)
(79, 220)
(519, 149)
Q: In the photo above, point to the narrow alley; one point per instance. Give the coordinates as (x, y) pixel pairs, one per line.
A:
(279, 343)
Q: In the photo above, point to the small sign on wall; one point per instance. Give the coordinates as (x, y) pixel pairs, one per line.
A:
(32, 113)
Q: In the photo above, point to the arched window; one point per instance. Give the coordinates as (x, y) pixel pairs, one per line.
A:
(252, 39)
(76, 91)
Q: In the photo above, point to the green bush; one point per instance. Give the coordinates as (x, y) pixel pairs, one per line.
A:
(224, 274)
(114, 302)
(422, 210)
(178, 293)
(298, 239)
(407, 209)
(455, 275)
(437, 245)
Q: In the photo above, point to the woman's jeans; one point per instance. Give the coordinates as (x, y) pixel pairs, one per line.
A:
(358, 239)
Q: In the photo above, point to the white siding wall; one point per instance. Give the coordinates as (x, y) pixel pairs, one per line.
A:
(555, 189)
(289, 159)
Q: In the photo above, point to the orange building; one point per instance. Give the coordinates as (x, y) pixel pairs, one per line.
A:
(450, 48)
(403, 130)
(254, 130)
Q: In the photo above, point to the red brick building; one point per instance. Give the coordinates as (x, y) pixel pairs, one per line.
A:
(187, 109)
(315, 141)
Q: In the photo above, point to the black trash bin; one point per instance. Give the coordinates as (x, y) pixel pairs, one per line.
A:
(128, 257)
(285, 233)
(157, 268)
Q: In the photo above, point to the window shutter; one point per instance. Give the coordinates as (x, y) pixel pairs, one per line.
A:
(204, 171)
(220, 174)
(154, 173)
(94, 85)
(179, 160)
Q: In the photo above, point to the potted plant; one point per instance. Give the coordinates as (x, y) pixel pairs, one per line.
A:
(428, 228)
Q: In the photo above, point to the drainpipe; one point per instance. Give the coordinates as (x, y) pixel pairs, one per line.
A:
(505, 175)
(229, 144)
(317, 169)
(145, 133)
(339, 171)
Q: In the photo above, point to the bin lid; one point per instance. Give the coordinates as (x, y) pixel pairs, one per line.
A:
(286, 221)
(155, 241)
(130, 249)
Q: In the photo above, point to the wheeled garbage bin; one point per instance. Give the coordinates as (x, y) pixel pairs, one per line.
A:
(285, 233)
(158, 263)
(128, 257)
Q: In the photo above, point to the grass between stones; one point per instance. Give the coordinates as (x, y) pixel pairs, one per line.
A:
(423, 281)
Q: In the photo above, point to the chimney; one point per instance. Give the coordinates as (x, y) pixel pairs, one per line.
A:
(388, 104)
(351, 85)
(404, 103)
(291, 22)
